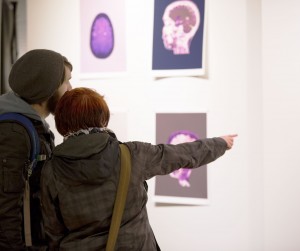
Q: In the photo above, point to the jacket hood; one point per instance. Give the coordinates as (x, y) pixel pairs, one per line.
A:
(88, 159)
(10, 102)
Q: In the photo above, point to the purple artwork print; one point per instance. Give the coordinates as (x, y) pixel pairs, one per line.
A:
(102, 36)
(181, 21)
(182, 174)
(103, 40)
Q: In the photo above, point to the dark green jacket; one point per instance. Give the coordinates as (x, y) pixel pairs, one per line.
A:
(79, 186)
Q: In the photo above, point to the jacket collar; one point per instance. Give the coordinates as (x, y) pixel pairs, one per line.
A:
(82, 146)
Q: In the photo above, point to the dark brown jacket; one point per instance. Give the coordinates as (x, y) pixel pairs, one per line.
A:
(14, 156)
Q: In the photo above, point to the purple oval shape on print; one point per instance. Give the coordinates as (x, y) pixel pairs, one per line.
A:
(102, 36)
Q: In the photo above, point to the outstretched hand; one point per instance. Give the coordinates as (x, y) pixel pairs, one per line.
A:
(229, 140)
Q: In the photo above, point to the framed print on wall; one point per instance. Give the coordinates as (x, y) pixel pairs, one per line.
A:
(178, 38)
(103, 43)
(185, 186)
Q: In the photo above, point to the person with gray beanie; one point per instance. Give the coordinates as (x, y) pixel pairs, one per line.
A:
(37, 80)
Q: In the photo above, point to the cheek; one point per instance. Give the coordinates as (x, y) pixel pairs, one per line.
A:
(61, 92)
(64, 87)
(69, 87)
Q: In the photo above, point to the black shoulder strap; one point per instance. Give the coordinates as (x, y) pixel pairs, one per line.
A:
(34, 153)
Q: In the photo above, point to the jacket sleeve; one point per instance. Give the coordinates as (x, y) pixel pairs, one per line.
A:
(54, 227)
(165, 158)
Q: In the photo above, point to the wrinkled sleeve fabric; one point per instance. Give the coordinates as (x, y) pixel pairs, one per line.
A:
(54, 227)
(163, 159)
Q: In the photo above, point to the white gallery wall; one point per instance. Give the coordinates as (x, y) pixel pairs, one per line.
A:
(281, 123)
(251, 88)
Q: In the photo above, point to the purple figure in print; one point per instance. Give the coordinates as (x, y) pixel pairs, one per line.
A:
(182, 174)
(102, 36)
(181, 21)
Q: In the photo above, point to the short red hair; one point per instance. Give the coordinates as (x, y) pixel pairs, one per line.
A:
(81, 108)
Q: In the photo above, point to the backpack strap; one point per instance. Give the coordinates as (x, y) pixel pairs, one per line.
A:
(120, 197)
(34, 138)
(26, 213)
(34, 157)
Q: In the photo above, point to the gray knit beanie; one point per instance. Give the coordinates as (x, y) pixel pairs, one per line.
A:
(37, 75)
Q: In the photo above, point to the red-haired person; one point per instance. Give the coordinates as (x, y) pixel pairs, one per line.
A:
(79, 183)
